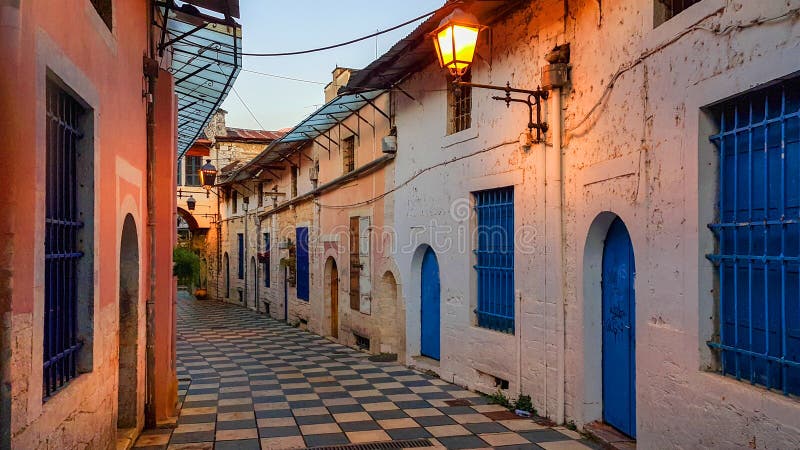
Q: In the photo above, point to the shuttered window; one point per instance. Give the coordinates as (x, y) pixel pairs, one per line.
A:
(758, 237)
(495, 259)
(355, 265)
(240, 260)
(302, 262)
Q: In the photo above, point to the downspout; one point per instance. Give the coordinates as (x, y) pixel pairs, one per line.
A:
(554, 77)
(555, 121)
(149, 406)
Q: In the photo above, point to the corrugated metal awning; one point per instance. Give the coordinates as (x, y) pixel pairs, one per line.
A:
(310, 128)
(206, 59)
(329, 115)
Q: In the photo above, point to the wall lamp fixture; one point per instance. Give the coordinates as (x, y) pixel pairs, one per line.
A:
(455, 40)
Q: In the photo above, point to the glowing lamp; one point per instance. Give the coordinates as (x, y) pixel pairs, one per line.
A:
(208, 175)
(455, 41)
(190, 203)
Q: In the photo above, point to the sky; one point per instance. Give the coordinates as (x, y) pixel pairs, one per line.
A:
(272, 26)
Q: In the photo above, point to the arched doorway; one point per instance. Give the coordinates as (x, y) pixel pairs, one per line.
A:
(619, 333)
(430, 306)
(332, 289)
(390, 321)
(227, 268)
(127, 376)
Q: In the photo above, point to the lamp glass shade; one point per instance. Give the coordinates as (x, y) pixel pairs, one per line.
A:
(208, 175)
(455, 41)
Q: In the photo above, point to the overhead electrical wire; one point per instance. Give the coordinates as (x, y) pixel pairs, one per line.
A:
(283, 77)
(188, 41)
(247, 107)
(342, 44)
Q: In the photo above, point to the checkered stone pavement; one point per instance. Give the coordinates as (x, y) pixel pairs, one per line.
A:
(250, 382)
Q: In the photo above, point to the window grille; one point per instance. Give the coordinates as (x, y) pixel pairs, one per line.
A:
(459, 106)
(495, 259)
(758, 237)
(62, 241)
(240, 259)
(349, 154)
(192, 166)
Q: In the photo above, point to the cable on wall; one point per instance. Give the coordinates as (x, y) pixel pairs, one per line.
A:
(794, 13)
(417, 174)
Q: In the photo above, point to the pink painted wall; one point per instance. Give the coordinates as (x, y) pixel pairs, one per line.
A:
(103, 67)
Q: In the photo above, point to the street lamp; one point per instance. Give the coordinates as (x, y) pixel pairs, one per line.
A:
(190, 203)
(208, 175)
(455, 41)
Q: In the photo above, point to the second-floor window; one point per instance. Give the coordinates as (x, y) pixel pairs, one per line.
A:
(235, 201)
(191, 176)
(349, 154)
(459, 106)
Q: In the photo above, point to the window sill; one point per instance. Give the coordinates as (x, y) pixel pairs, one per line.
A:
(685, 19)
(460, 137)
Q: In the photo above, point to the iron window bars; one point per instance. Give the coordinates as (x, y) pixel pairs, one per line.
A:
(62, 245)
(495, 259)
(758, 237)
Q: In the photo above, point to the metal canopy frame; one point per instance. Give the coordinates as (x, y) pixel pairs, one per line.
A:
(205, 60)
(312, 128)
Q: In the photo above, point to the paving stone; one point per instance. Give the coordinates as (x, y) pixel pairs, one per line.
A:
(248, 381)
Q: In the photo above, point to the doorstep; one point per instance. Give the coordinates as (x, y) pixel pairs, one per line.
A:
(609, 437)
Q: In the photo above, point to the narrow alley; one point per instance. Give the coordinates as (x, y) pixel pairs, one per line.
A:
(249, 381)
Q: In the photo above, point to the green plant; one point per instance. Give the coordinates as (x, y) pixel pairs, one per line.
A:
(185, 266)
(571, 425)
(524, 403)
(499, 398)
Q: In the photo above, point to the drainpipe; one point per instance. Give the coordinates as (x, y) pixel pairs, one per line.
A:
(555, 120)
(554, 77)
(150, 68)
(149, 406)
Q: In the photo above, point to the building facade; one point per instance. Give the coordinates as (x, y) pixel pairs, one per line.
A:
(637, 266)
(89, 113)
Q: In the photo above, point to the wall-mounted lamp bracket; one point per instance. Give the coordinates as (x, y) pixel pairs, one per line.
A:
(534, 99)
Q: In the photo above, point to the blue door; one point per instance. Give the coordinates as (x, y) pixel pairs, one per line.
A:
(619, 334)
(430, 305)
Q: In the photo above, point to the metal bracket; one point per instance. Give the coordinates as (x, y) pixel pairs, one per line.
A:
(534, 98)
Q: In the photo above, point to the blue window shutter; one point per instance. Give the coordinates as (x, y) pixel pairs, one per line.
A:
(302, 263)
(240, 238)
(495, 259)
(758, 235)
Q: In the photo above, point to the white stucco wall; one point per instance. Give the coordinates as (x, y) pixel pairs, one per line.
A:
(643, 155)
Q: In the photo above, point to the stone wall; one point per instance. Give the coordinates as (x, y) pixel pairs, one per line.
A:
(635, 141)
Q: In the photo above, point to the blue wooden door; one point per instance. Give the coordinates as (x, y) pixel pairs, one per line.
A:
(619, 334)
(430, 306)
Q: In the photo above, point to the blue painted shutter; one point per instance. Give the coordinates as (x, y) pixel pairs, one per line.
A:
(240, 261)
(495, 259)
(302, 263)
(758, 235)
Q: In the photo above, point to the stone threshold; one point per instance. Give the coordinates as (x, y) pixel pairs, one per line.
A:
(609, 437)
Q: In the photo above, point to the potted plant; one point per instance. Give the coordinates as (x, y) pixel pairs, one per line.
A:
(185, 266)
